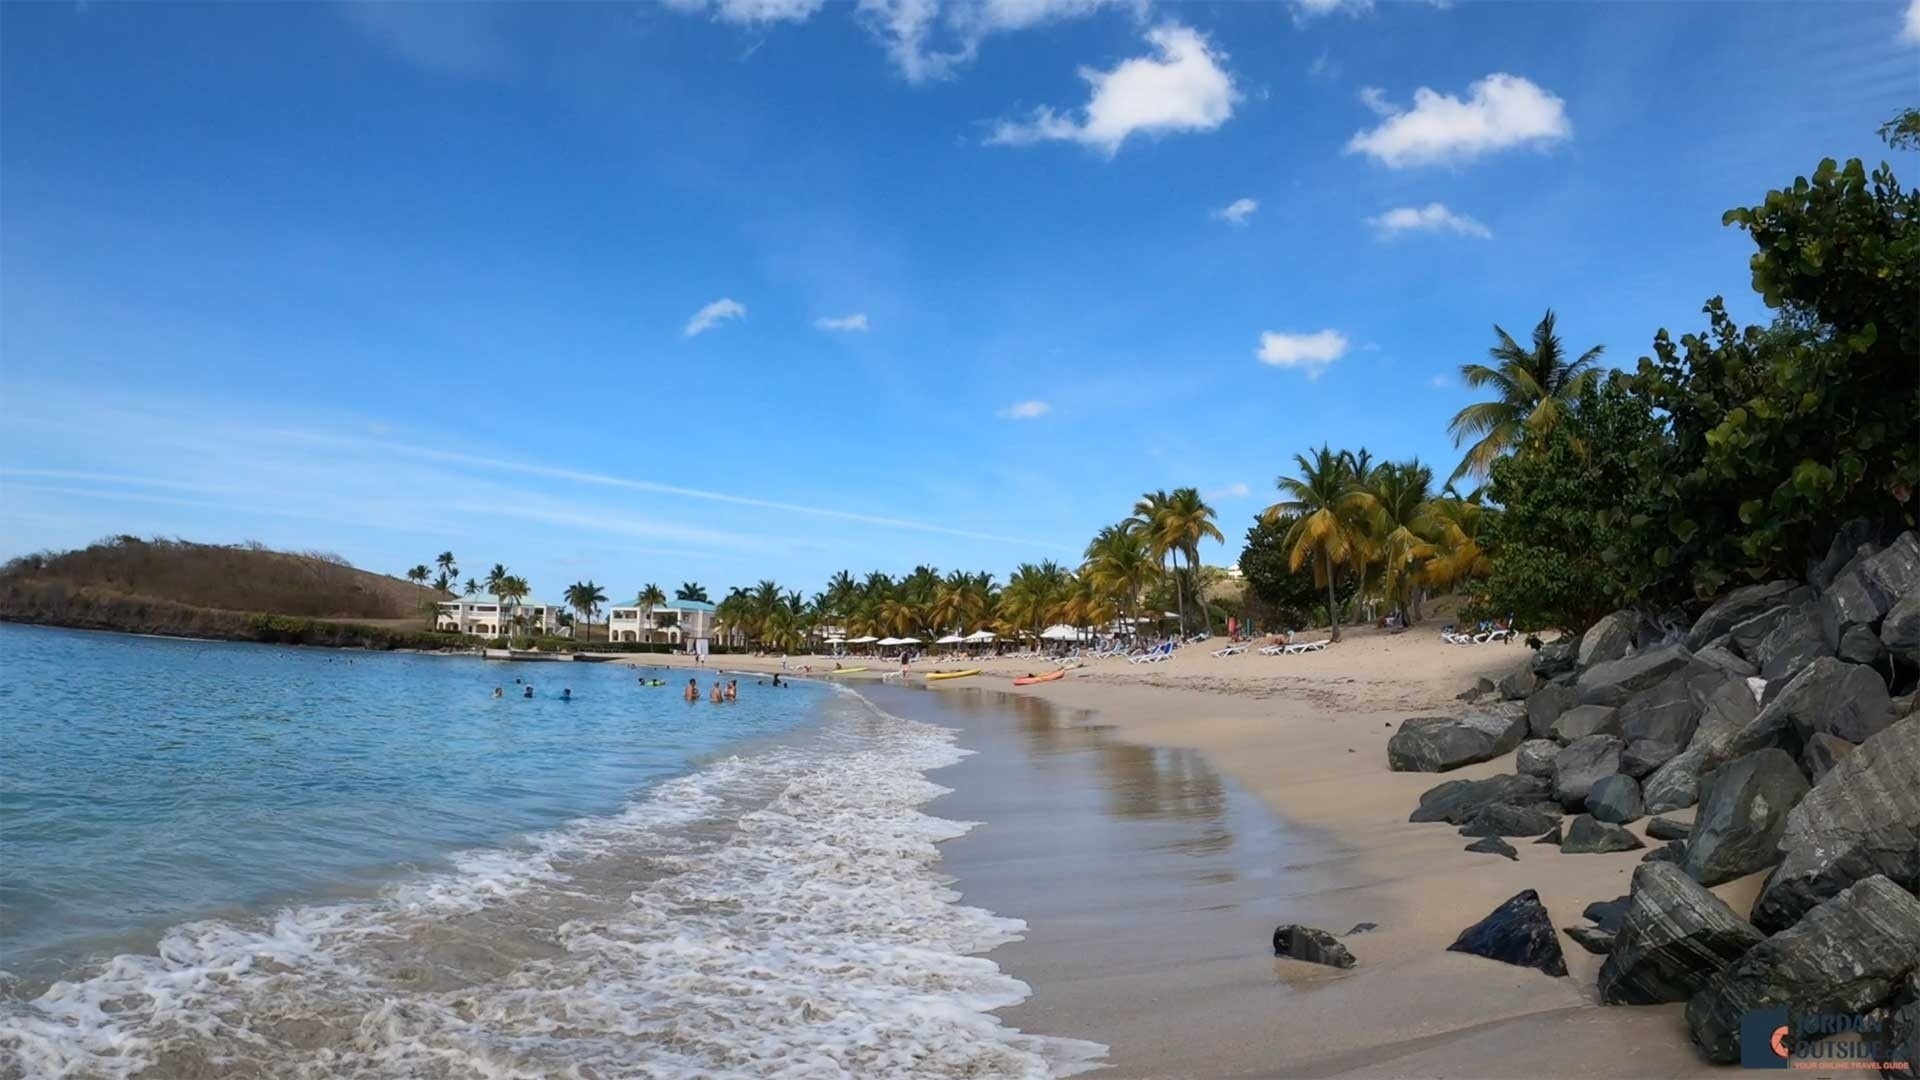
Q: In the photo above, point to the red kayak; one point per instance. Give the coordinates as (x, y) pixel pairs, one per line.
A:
(1029, 680)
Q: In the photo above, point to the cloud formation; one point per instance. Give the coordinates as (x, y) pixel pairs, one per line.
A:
(750, 12)
(854, 323)
(908, 28)
(713, 314)
(1433, 217)
(1025, 410)
(1237, 212)
(1182, 87)
(1313, 9)
(1910, 31)
(1236, 490)
(1310, 353)
(1499, 112)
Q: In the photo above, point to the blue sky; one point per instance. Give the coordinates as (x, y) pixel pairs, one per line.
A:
(731, 289)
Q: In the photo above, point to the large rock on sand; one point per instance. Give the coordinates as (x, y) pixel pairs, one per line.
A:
(1584, 720)
(1675, 937)
(1615, 799)
(1736, 607)
(1456, 801)
(1613, 682)
(1827, 695)
(1726, 713)
(1312, 945)
(1846, 956)
(1608, 640)
(1743, 812)
(1667, 712)
(1535, 757)
(1545, 707)
(1794, 643)
(1582, 764)
(1588, 835)
(1508, 819)
(1441, 743)
(1517, 932)
(1861, 819)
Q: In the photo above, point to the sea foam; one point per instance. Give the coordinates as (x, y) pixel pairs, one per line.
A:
(779, 913)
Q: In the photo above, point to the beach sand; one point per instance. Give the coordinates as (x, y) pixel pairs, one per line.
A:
(1307, 736)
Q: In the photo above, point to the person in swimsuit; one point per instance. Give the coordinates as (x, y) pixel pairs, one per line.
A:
(693, 690)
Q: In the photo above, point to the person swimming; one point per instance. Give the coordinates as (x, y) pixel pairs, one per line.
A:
(693, 690)
(497, 692)
(529, 692)
(776, 678)
(566, 693)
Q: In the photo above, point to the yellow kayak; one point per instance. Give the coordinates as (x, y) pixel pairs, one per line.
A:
(845, 670)
(935, 676)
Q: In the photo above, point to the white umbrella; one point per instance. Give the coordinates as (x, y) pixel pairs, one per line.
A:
(908, 641)
(1059, 632)
(951, 639)
(836, 641)
(979, 636)
(891, 641)
(868, 640)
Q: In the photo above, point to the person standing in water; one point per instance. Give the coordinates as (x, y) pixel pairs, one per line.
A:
(715, 697)
(733, 689)
(529, 692)
(566, 693)
(693, 690)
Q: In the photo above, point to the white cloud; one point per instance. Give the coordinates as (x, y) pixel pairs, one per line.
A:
(1433, 217)
(909, 27)
(1500, 111)
(1441, 382)
(1025, 410)
(1375, 99)
(1911, 31)
(1237, 212)
(856, 322)
(1310, 353)
(713, 314)
(751, 12)
(1313, 9)
(1182, 88)
(1230, 491)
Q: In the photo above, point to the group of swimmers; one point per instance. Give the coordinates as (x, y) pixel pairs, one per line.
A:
(526, 691)
(728, 691)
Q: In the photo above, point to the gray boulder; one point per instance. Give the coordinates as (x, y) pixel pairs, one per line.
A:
(1661, 828)
(1613, 682)
(1641, 758)
(1590, 938)
(1667, 712)
(1608, 915)
(1588, 835)
(1455, 801)
(1673, 851)
(1545, 705)
(1735, 607)
(1584, 720)
(1861, 819)
(1581, 764)
(1823, 752)
(1440, 743)
(1673, 786)
(1517, 685)
(1840, 551)
(1509, 819)
(1746, 635)
(1743, 812)
(1861, 645)
(1900, 630)
(1607, 640)
(1895, 571)
(1615, 799)
(1827, 695)
(1493, 845)
(1312, 945)
(1846, 956)
(1556, 658)
(1725, 712)
(1517, 932)
(1535, 757)
(1675, 937)
(1720, 657)
(1796, 642)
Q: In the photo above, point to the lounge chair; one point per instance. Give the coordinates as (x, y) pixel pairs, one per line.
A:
(1153, 655)
(1308, 646)
(1231, 650)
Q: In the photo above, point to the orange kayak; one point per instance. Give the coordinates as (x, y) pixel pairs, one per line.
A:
(1029, 680)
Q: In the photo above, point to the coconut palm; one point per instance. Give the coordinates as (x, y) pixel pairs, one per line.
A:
(1189, 520)
(1535, 387)
(1149, 523)
(509, 590)
(649, 598)
(1323, 532)
(448, 569)
(585, 597)
(418, 575)
(691, 590)
(1119, 564)
(470, 588)
(1394, 505)
(1458, 556)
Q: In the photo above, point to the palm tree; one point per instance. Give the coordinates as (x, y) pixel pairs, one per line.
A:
(649, 598)
(509, 591)
(1119, 564)
(1323, 532)
(1458, 556)
(1149, 523)
(470, 587)
(1394, 503)
(585, 597)
(418, 575)
(691, 590)
(1536, 387)
(448, 569)
(1189, 520)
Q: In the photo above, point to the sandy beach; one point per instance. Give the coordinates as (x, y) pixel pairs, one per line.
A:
(1307, 736)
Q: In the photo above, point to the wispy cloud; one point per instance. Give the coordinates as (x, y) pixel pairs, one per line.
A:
(750, 12)
(1311, 353)
(1183, 87)
(1441, 382)
(931, 39)
(1237, 212)
(1236, 490)
(447, 39)
(1499, 112)
(1375, 99)
(713, 314)
(1304, 10)
(856, 322)
(1910, 29)
(1025, 410)
(1433, 217)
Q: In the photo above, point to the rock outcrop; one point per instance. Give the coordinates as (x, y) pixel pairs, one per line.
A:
(1587, 835)
(1508, 819)
(1725, 713)
(1584, 720)
(1545, 706)
(1517, 932)
(1580, 765)
(1667, 712)
(1796, 642)
(1613, 682)
(1607, 640)
(1861, 819)
(1457, 800)
(1615, 800)
(1535, 757)
(1312, 945)
(1441, 743)
(1493, 845)
(1845, 956)
(1743, 812)
(1737, 606)
(1643, 756)
(1675, 937)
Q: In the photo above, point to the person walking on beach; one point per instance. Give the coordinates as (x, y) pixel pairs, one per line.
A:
(904, 660)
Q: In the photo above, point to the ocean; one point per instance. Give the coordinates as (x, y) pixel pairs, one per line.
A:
(228, 860)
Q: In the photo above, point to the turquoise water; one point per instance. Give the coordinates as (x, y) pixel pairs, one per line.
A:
(147, 780)
(226, 861)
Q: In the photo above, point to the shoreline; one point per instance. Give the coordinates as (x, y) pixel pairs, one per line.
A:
(1307, 736)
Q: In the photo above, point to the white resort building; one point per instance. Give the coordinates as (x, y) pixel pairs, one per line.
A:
(482, 616)
(674, 622)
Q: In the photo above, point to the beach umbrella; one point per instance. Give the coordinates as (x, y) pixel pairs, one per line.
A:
(836, 641)
(950, 639)
(867, 640)
(980, 636)
(908, 641)
(1059, 632)
(888, 641)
